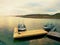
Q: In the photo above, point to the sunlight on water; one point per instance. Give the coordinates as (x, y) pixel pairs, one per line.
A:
(7, 25)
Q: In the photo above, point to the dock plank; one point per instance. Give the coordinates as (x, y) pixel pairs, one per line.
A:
(28, 33)
(55, 34)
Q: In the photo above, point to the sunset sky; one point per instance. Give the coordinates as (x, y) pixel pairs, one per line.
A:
(22, 7)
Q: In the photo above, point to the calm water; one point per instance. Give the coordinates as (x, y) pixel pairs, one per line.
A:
(7, 25)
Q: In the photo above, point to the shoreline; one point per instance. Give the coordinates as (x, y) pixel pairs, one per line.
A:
(40, 16)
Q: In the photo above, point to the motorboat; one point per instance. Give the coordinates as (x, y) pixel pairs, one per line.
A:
(49, 27)
(21, 27)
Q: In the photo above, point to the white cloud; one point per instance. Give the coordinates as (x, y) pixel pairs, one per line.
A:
(19, 7)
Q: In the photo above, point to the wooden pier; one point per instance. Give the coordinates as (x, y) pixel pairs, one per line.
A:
(54, 35)
(28, 33)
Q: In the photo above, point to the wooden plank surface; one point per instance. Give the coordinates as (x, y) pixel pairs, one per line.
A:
(55, 34)
(28, 33)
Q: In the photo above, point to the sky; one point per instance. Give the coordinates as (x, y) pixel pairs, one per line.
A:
(23, 7)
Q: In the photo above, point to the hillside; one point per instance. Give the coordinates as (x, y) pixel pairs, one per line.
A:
(56, 16)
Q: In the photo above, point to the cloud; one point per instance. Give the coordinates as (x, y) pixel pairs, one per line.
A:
(19, 7)
(51, 10)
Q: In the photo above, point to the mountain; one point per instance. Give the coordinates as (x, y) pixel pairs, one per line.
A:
(55, 16)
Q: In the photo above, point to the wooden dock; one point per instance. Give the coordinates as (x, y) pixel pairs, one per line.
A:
(28, 33)
(54, 35)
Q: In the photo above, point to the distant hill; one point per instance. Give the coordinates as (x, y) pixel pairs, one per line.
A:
(56, 16)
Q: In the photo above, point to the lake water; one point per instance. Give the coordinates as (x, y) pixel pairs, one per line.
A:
(7, 25)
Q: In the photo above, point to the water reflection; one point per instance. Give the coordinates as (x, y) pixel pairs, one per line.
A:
(7, 25)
